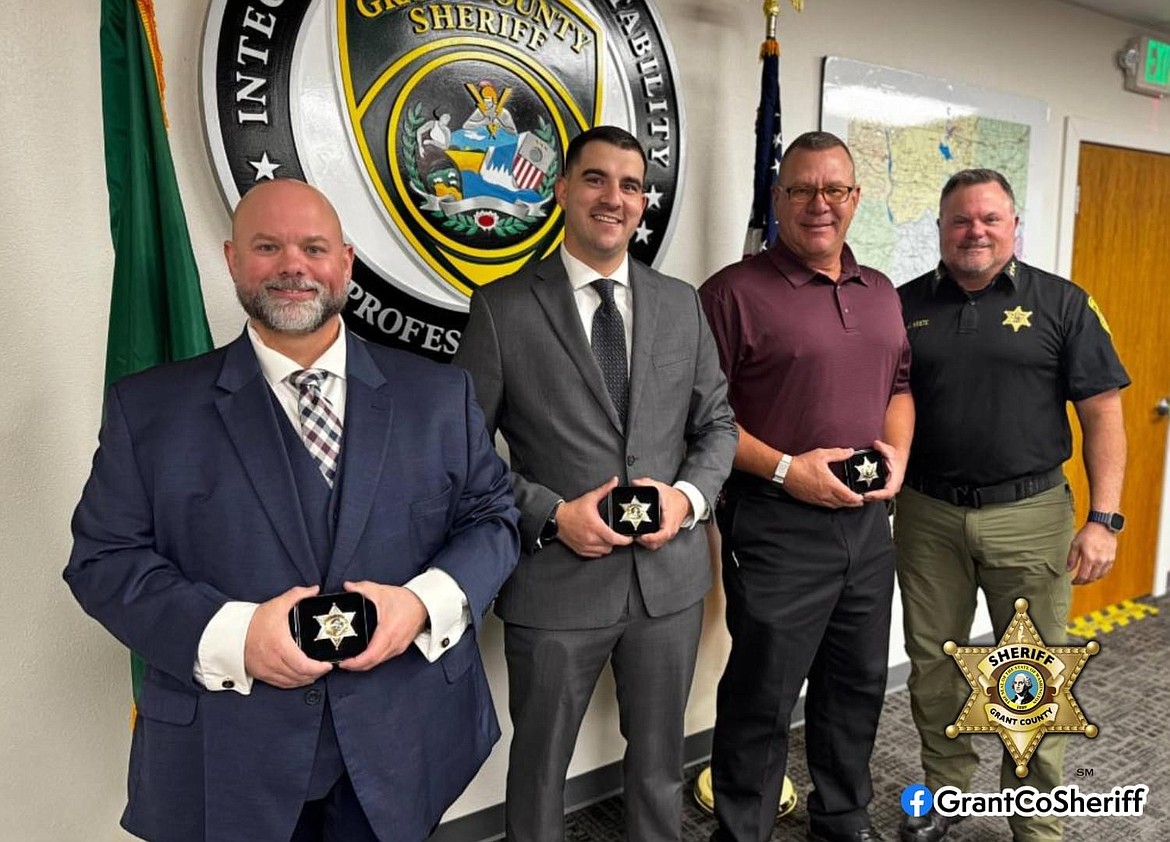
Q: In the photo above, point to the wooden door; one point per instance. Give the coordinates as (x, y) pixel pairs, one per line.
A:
(1120, 246)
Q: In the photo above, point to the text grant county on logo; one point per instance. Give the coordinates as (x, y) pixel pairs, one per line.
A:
(438, 130)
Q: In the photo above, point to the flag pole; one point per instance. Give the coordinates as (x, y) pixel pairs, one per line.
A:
(761, 229)
(771, 14)
(156, 302)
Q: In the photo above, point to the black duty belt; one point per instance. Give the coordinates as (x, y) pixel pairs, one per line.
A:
(975, 497)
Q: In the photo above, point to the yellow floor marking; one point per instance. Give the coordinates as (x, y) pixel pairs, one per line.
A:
(1106, 620)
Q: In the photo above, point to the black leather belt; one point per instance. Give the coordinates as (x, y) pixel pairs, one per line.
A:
(741, 483)
(975, 497)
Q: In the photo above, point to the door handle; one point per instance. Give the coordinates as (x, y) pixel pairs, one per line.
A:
(1162, 407)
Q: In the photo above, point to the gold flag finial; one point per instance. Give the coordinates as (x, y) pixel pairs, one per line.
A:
(771, 12)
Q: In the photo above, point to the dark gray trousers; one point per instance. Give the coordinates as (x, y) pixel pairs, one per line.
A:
(551, 676)
(808, 596)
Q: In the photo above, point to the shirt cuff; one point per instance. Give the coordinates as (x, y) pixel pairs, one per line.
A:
(447, 608)
(220, 664)
(698, 504)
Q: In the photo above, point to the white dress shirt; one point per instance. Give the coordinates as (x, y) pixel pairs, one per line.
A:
(220, 664)
(588, 299)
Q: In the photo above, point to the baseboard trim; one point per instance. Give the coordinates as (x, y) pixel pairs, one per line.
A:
(487, 825)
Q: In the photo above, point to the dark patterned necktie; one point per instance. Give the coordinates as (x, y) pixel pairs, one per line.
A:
(320, 426)
(608, 339)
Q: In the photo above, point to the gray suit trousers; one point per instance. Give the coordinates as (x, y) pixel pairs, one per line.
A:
(551, 676)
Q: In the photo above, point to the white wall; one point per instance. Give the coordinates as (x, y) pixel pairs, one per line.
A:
(63, 726)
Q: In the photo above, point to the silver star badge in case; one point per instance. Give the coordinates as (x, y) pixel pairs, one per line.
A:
(335, 626)
(635, 513)
(867, 471)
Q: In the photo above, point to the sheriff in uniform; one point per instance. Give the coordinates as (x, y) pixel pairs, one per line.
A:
(998, 348)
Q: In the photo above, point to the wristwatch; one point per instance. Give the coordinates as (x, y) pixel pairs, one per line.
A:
(548, 533)
(1113, 521)
(782, 469)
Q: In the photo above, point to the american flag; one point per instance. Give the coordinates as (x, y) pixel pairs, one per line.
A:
(531, 162)
(762, 224)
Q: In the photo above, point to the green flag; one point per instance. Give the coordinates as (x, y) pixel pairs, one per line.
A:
(156, 304)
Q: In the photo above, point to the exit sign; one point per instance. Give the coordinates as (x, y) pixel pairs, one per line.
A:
(1157, 63)
(1146, 62)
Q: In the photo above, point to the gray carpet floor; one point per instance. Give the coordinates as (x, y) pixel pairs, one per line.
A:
(1124, 690)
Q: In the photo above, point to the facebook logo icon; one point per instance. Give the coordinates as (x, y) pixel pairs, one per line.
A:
(917, 800)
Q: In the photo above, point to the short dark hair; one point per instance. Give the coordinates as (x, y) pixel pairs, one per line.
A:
(612, 135)
(969, 178)
(816, 142)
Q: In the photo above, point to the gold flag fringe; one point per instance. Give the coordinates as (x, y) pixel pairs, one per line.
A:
(146, 12)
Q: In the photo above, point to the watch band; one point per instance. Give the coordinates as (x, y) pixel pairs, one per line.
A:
(548, 533)
(1113, 521)
(781, 472)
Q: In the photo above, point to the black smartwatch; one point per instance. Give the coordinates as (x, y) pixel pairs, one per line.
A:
(1113, 521)
(549, 533)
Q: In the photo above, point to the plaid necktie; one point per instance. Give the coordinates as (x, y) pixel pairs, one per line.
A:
(608, 339)
(320, 426)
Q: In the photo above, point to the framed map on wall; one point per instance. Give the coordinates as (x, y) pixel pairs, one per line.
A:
(908, 134)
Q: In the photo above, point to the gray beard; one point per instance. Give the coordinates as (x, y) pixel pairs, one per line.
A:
(291, 317)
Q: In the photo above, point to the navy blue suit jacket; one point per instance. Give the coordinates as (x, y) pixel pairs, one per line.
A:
(192, 503)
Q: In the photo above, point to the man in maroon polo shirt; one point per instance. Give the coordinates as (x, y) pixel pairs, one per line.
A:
(817, 364)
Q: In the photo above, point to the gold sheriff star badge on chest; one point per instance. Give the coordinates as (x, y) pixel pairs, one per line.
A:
(335, 626)
(1021, 689)
(1017, 318)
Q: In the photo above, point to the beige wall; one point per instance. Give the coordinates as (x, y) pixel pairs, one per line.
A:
(63, 726)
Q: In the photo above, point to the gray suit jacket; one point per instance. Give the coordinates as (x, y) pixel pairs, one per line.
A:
(538, 383)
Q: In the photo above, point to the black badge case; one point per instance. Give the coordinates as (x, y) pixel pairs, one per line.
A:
(865, 471)
(349, 617)
(632, 510)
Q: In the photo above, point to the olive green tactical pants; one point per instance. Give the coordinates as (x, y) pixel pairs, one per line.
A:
(944, 554)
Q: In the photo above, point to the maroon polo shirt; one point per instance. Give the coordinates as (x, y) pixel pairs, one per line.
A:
(809, 363)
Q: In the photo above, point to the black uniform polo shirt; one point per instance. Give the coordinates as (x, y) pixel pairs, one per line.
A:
(991, 372)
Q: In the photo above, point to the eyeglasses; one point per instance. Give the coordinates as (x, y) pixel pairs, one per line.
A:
(834, 194)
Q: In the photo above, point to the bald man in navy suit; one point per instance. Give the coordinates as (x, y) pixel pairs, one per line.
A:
(216, 503)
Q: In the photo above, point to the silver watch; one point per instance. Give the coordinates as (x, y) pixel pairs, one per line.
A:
(782, 469)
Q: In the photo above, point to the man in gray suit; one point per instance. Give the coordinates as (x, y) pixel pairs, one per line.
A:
(549, 350)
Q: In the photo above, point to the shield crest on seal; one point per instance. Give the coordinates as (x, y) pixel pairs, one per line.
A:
(461, 133)
(436, 128)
